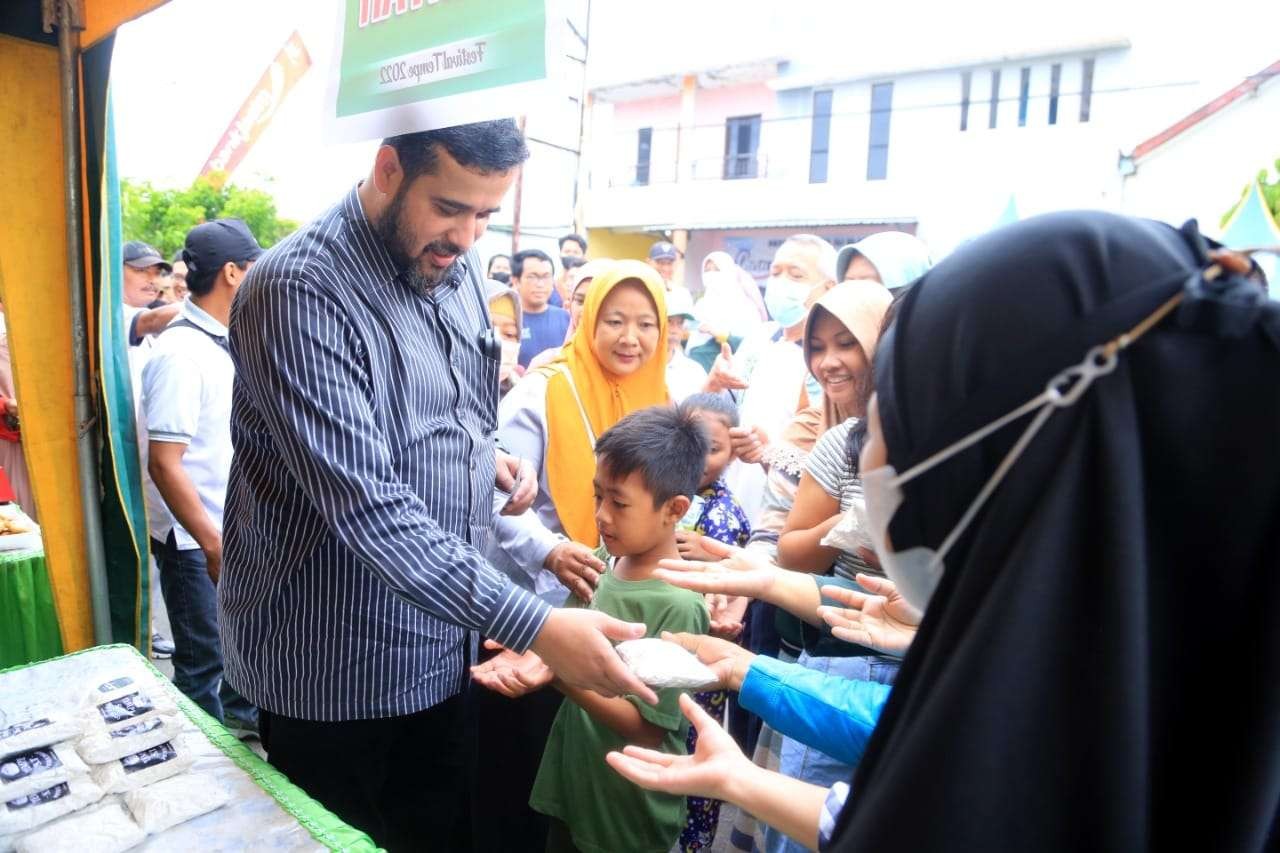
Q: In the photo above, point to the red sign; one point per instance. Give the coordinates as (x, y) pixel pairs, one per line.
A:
(260, 107)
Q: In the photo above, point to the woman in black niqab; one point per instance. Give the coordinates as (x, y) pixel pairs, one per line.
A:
(1099, 666)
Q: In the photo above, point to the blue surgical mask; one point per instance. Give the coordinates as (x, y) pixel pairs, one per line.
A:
(785, 300)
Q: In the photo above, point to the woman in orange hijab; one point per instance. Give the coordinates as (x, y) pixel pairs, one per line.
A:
(615, 363)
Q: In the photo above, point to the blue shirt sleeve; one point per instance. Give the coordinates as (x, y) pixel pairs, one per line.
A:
(827, 712)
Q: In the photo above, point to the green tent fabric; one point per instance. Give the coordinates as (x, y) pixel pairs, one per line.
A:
(1252, 226)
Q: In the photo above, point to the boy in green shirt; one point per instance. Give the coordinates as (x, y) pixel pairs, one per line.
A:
(647, 468)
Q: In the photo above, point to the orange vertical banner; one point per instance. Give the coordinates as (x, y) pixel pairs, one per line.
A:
(260, 107)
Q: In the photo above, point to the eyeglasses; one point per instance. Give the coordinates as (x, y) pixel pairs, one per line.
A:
(530, 276)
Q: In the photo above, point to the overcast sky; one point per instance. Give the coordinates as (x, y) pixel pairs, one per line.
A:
(181, 72)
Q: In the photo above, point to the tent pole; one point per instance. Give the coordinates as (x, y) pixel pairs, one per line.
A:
(86, 424)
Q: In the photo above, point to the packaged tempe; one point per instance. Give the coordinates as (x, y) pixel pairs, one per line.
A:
(105, 829)
(143, 768)
(23, 813)
(166, 804)
(40, 730)
(102, 745)
(37, 769)
(122, 703)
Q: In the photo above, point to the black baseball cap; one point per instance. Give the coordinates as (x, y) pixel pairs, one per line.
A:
(210, 245)
(140, 255)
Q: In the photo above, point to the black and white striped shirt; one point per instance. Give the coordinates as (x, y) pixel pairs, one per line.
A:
(361, 490)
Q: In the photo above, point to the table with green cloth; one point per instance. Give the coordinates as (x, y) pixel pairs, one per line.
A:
(265, 810)
(28, 620)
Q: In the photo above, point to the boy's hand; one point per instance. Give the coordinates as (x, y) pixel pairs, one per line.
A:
(513, 675)
(689, 544)
(578, 646)
(739, 572)
(576, 567)
(714, 766)
(727, 614)
(749, 443)
(883, 621)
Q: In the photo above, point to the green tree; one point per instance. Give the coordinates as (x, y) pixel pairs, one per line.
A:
(1270, 194)
(162, 217)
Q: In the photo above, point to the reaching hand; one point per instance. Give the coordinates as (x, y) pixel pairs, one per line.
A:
(727, 660)
(883, 621)
(727, 613)
(722, 376)
(739, 572)
(517, 478)
(709, 772)
(749, 443)
(577, 645)
(513, 675)
(689, 544)
(577, 567)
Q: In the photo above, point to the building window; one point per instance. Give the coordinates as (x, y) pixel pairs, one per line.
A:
(741, 146)
(1024, 97)
(1086, 90)
(995, 98)
(820, 142)
(642, 155)
(878, 146)
(966, 85)
(1055, 81)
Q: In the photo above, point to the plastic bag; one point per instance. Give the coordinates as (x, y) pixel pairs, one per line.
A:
(849, 534)
(37, 769)
(143, 768)
(23, 813)
(122, 703)
(659, 663)
(166, 804)
(104, 745)
(37, 732)
(105, 829)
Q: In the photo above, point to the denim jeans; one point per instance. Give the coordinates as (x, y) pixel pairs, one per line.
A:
(192, 602)
(811, 765)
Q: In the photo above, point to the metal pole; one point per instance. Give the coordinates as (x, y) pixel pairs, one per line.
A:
(515, 215)
(86, 449)
(582, 123)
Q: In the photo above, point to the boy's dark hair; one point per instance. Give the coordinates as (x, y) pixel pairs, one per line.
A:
(666, 445)
(518, 259)
(485, 147)
(574, 238)
(716, 404)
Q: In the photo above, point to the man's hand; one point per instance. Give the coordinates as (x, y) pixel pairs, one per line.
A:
(729, 661)
(689, 544)
(511, 674)
(213, 559)
(739, 572)
(577, 567)
(713, 768)
(722, 376)
(748, 443)
(883, 621)
(517, 478)
(577, 645)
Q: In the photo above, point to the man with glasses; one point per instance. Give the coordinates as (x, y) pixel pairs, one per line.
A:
(533, 277)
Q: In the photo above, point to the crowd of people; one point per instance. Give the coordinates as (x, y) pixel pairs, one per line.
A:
(937, 530)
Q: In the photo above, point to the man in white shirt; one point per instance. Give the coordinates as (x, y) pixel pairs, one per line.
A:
(684, 375)
(187, 384)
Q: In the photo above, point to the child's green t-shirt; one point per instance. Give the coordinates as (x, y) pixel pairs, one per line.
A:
(605, 812)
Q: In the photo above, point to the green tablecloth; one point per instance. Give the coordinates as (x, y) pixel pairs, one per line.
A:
(28, 621)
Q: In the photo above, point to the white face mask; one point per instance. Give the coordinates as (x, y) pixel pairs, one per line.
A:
(916, 571)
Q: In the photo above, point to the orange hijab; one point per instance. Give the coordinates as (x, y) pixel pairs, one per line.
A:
(580, 389)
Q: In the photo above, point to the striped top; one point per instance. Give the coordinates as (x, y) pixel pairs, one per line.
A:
(362, 487)
(830, 466)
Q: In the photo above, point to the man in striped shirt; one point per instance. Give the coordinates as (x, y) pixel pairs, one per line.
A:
(361, 494)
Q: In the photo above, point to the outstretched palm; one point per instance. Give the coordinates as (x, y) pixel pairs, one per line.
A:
(738, 572)
(883, 621)
(707, 773)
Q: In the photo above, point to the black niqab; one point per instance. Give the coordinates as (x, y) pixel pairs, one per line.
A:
(1099, 668)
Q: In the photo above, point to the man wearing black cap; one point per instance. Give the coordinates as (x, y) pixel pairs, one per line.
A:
(143, 270)
(186, 388)
(662, 257)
